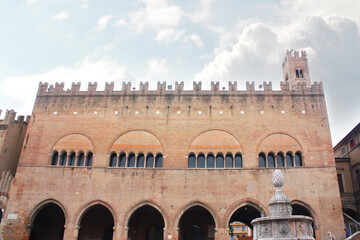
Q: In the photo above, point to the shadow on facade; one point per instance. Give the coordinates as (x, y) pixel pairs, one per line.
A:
(146, 223)
(196, 223)
(48, 223)
(96, 223)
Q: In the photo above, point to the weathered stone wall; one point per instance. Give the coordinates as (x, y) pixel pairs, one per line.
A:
(176, 119)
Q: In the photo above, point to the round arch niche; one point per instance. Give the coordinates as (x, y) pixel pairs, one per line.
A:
(196, 223)
(279, 142)
(48, 223)
(97, 222)
(215, 141)
(146, 223)
(74, 142)
(135, 141)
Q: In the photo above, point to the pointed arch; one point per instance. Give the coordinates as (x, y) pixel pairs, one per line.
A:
(82, 210)
(47, 220)
(38, 207)
(242, 203)
(309, 208)
(142, 204)
(194, 204)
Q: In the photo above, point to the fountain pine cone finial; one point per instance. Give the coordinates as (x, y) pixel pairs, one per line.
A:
(278, 179)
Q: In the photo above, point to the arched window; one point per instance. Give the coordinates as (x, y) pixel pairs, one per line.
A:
(54, 158)
(131, 160)
(271, 160)
(150, 160)
(229, 161)
(159, 160)
(289, 159)
(201, 161)
(297, 73)
(71, 161)
(280, 160)
(63, 158)
(238, 161)
(262, 160)
(122, 160)
(301, 73)
(80, 159)
(89, 159)
(298, 159)
(192, 161)
(219, 161)
(210, 161)
(113, 160)
(140, 161)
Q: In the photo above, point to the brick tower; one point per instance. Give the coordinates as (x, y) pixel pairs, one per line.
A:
(295, 69)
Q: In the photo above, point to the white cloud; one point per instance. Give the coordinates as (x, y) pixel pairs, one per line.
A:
(120, 22)
(156, 15)
(66, 36)
(156, 68)
(204, 13)
(31, 2)
(85, 3)
(60, 16)
(169, 35)
(195, 39)
(103, 22)
(155, 3)
(101, 71)
(300, 9)
(255, 56)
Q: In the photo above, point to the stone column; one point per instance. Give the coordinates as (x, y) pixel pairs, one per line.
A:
(118, 231)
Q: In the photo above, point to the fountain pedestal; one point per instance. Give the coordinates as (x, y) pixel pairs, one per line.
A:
(281, 224)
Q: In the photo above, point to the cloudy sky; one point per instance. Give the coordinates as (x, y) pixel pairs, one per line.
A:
(167, 40)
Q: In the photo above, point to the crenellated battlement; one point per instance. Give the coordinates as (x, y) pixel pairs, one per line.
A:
(294, 55)
(301, 88)
(10, 118)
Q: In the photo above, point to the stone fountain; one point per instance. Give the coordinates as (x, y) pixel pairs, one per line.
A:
(281, 224)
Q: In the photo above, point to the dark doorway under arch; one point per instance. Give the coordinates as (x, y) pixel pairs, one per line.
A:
(48, 223)
(96, 223)
(301, 210)
(245, 214)
(196, 223)
(146, 223)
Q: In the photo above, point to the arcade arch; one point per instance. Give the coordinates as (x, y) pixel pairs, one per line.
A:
(97, 222)
(196, 223)
(146, 222)
(48, 222)
(300, 208)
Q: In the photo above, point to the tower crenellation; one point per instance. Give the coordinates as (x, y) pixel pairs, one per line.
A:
(179, 87)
